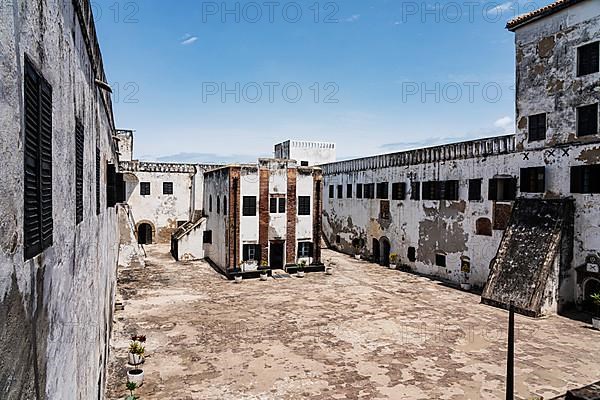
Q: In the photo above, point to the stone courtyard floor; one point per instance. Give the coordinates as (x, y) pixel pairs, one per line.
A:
(363, 333)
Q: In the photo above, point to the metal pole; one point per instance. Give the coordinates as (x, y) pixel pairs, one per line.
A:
(510, 362)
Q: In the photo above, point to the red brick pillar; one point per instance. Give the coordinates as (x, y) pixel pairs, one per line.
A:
(233, 239)
(317, 215)
(263, 214)
(290, 244)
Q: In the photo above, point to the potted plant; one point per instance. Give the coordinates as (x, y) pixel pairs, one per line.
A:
(131, 386)
(300, 271)
(596, 318)
(329, 270)
(264, 271)
(393, 261)
(465, 268)
(136, 376)
(136, 353)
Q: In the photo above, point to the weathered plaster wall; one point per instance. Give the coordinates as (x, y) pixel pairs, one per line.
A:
(125, 145)
(216, 184)
(315, 153)
(190, 246)
(56, 309)
(449, 227)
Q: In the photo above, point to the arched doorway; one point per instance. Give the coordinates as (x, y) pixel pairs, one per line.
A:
(144, 233)
(375, 250)
(591, 286)
(385, 251)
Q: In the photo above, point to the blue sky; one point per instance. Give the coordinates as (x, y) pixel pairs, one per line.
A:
(375, 76)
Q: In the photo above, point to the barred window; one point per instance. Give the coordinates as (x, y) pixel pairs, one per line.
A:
(533, 180)
(475, 189)
(145, 188)
(398, 191)
(304, 205)
(588, 60)
(79, 151)
(382, 190)
(167, 187)
(249, 206)
(587, 120)
(537, 127)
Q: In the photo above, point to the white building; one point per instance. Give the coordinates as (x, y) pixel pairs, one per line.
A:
(267, 213)
(306, 153)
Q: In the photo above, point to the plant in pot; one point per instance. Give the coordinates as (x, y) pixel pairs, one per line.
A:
(136, 376)
(131, 386)
(329, 270)
(264, 271)
(300, 271)
(596, 318)
(465, 269)
(136, 352)
(237, 273)
(393, 261)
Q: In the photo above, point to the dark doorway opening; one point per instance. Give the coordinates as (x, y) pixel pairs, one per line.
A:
(385, 252)
(276, 254)
(592, 286)
(145, 233)
(375, 250)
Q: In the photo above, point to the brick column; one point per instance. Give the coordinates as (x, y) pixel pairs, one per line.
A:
(317, 215)
(233, 239)
(290, 244)
(263, 214)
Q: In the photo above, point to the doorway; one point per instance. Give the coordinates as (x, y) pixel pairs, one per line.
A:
(591, 287)
(145, 233)
(276, 250)
(375, 250)
(385, 252)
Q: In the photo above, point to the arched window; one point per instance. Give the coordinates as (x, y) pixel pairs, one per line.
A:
(224, 205)
(218, 204)
(210, 203)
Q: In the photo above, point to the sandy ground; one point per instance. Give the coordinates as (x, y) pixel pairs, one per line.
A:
(363, 333)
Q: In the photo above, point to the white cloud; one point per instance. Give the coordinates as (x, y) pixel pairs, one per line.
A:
(188, 39)
(505, 123)
(353, 18)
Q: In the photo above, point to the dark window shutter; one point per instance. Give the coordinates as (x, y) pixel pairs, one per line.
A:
(273, 205)
(120, 187)
(38, 222)
(493, 190)
(111, 194)
(282, 205)
(576, 179)
(98, 159)
(79, 151)
(32, 206)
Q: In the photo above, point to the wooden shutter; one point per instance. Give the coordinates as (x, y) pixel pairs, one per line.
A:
(98, 159)
(493, 189)
(576, 179)
(32, 206)
(79, 151)
(37, 196)
(111, 194)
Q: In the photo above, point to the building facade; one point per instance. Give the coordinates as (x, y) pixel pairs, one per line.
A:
(469, 212)
(265, 213)
(306, 153)
(58, 220)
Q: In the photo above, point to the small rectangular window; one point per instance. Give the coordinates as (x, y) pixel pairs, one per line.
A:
(502, 189)
(249, 206)
(475, 189)
(585, 179)
(349, 191)
(588, 60)
(111, 192)
(304, 205)
(331, 191)
(440, 190)
(533, 180)
(304, 163)
(251, 252)
(369, 191)
(383, 190)
(207, 237)
(537, 127)
(359, 190)
(282, 205)
(440, 260)
(273, 205)
(415, 190)
(79, 151)
(167, 187)
(398, 191)
(305, 249)
(384, 209)
(587, 120)
(339, 192)
(144, 188)
(412, 254)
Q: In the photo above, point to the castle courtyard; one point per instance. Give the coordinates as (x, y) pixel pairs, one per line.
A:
(364, 332)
